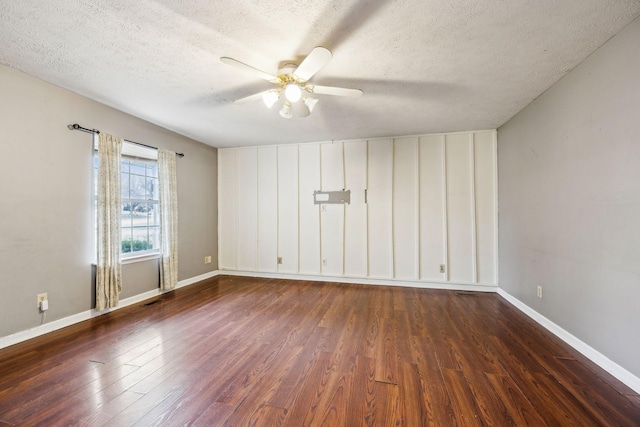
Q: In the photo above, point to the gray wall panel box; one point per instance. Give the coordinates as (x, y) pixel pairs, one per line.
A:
(332, 197)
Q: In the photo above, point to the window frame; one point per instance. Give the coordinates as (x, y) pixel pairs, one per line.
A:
(141, 154)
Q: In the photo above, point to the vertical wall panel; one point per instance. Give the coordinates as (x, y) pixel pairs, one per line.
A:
(485, 169)
(379, 206)
(405, 208)
(288, 208)
(431, 201)
(460, 208)
(309, 160)
(246, 163)
(332, 215)
(267, 209)
(433, 233)
(355, 237)
(227, 210)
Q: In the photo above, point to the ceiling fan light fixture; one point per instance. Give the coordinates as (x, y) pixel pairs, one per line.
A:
(291, 81)
(285, 111)
(292, 92)
(310, 103)
(270, 97)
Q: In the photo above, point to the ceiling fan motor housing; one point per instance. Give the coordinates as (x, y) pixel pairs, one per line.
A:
(287, 69)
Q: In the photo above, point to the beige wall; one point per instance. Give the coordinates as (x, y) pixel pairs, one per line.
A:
(45, 200)
(569, 192)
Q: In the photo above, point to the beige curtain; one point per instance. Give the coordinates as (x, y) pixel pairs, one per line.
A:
(108, 273)
(168, 219)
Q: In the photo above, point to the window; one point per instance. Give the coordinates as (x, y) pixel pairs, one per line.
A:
(140, 215)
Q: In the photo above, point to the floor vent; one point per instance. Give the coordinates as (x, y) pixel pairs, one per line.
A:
(151, 303)
(465, 294)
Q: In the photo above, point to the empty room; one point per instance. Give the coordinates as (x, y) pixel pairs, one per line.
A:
(330, 213)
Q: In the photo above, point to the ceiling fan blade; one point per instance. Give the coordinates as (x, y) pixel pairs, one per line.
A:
(248, 68)
(331, 90)
(250, 98)
(317, 59)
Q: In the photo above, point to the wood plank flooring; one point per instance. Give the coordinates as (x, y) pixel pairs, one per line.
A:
(235, 351)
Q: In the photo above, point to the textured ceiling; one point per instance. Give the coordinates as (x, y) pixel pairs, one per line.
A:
(425, 66)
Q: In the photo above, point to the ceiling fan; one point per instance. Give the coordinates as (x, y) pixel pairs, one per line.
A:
(293, 85)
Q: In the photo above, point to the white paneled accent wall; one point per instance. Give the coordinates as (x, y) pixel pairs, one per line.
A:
(423, 209)
(227, 210)
(309, 214)
(332, 216)
(379, 208)
(288, 166)
(356, 250)
(268, 207)
(405, 209)
(247, 197)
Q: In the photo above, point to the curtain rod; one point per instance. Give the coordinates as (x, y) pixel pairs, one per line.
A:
(76, 126)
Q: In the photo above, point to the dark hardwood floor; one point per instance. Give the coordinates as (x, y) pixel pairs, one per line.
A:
(241, 351)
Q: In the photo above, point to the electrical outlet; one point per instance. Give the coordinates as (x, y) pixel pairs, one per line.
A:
(42, 297)
(539, 291)
(279, 260)
(324, 262)
(207, 260)
(442, 268)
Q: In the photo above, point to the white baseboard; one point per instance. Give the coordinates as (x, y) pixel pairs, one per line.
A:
(455, 286)
(21, 336)
(196, 279)
(594, 355)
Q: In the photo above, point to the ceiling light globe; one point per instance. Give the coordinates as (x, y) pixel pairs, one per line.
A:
(286, 111)
(310, 103)
(292, 92)
(270, 97)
